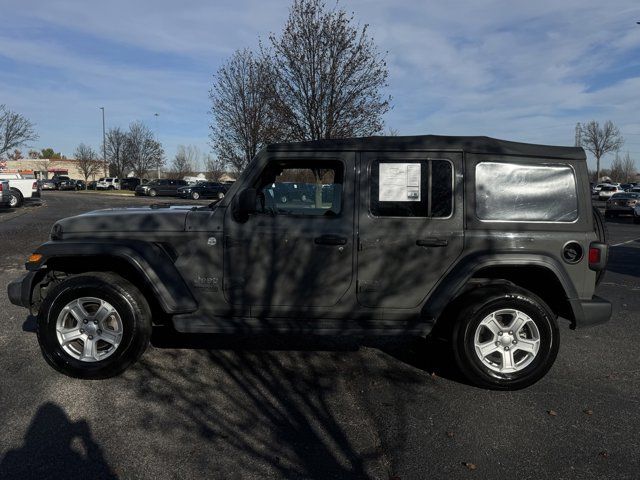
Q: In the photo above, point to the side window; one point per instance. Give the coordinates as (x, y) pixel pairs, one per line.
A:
(418, 188)
(301, 188)
(521, 192)
(162, 182)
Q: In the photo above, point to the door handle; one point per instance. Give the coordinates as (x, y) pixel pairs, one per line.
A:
(432, 242)
(330, 240)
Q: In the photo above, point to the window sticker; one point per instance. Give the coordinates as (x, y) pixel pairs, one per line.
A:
(399, 182)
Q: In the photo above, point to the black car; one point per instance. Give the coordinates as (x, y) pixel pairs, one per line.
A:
(203, 190)
(58, 179)
(129, 183)
(81, 185)
(160, 187)
(92, 185)
(68, 184)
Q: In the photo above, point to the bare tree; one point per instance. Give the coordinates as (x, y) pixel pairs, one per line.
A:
(615, 171)
(328, 75)
(628, 168)
(115, 146)
(142, 149)
(43, 166)
(240, 103)
(185, 160)
(600, 140)
(15, 130)
(214, 167)
(87, 159)
(16, 155)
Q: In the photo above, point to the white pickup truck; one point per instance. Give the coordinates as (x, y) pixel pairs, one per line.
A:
(23, 190)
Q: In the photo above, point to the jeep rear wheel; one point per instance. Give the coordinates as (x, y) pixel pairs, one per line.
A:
(505, 338)
(93, 326)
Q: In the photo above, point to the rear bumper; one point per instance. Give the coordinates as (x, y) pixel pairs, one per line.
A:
(19, 291)
(590, 312)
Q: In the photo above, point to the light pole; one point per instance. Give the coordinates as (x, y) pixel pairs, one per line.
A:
(104, 145)
(157, 115)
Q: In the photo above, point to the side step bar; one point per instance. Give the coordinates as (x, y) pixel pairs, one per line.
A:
(189, 323)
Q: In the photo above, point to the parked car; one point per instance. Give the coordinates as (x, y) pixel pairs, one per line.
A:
(48, 185)
(57, 179)
(160, 187)
(108, 183)
(636, 213)
(68, 185)
(607, 191)
(285, 192)
(23, 190)
(5, 194)
(81, 185)
(129, 183)
(203, 190)
(92, 185)
(621, 204)
(488, 264)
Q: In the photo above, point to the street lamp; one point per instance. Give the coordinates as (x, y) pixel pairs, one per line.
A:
(104, 145)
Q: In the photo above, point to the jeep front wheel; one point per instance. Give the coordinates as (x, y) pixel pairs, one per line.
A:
(93, 326)
(505, 338)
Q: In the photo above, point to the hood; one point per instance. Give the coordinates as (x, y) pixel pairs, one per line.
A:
(147, 219)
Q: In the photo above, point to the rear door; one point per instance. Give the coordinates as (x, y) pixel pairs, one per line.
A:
(410, 225)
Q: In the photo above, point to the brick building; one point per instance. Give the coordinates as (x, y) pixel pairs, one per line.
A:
(43, 168)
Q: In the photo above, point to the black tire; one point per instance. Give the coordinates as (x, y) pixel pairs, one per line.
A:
(600, 227)
(195, 195)
(153, 193)
(131, 306)
(111, 187)
(16, 198)
(480, 303)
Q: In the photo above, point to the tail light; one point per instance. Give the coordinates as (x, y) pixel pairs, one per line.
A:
(34, 186)
(598, 253)
(0, 187)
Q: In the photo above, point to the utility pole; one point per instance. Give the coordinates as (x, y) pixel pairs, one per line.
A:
(578, 134)
(156, 115)
(104, 146)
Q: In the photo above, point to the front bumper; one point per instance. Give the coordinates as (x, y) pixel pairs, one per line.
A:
(20, 291)
(592, 312)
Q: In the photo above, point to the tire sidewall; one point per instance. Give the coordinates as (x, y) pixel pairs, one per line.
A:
(18, 199)
(195, 195)
(152, 193)
(473, 367)
(134, 337)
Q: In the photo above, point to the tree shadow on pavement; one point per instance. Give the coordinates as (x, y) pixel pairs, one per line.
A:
(56, 448)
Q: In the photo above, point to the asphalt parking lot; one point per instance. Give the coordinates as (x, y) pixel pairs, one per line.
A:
(264, 407)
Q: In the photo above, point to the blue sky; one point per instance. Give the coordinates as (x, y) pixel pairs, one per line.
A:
(516, 70)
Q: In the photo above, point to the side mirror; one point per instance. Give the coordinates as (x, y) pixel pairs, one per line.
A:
(245, 204)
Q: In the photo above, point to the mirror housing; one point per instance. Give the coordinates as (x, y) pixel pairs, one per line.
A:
(245, 204)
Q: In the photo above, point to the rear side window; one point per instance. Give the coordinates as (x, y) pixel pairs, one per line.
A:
(529, 193)
(418, 188)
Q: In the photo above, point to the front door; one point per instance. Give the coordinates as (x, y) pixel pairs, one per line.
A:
(297, 250)
(410, 225)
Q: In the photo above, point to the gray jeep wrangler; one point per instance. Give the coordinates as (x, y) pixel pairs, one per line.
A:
(484, 241)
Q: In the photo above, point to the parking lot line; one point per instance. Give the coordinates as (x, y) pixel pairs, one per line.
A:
(624, 243)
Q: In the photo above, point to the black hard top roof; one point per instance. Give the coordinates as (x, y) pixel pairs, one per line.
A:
(434, 142)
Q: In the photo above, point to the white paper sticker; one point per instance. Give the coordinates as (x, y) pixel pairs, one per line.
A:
(399, 182)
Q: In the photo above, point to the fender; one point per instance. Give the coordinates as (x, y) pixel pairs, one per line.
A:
(453, 284)
(148, 259)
